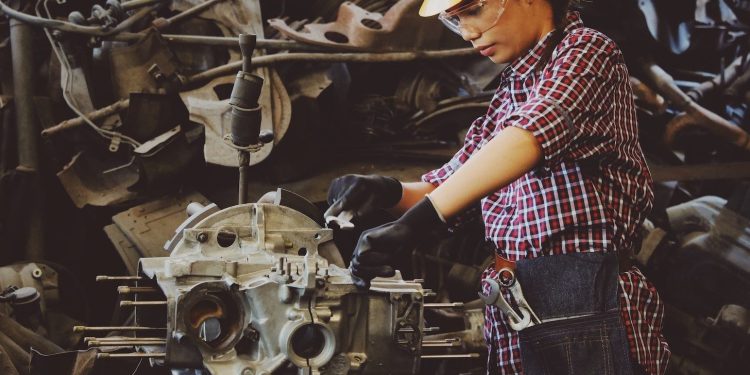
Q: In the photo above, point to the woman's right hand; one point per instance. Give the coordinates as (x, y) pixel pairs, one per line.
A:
(362, 195)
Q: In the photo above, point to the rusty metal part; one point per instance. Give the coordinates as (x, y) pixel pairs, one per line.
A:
(693, 115)
(73, 28)
(96, 115)
(451, 356)
(161, 23)
(38, 276)
(117, 278)
(331, 57)
(18, 356)
(116, 328)
(723, 79)
(142, 67)
(26, 338)
(129, 355)
(142, 231)
(89, 180)
(6, 365)
(700, 172)
(142, 303)
(136, 289)
(355, 28)
(647, 96)
(95, 343)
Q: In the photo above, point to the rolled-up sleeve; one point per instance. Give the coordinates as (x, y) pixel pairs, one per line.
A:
(471, 144)
(569, 98)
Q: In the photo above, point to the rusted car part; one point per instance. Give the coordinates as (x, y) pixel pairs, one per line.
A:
(332, 57)
(701, 172)
(90, 180)
(722, 80)
(27, 138)
(209, 106)
(708, 248)
(268, 268)
(144, 230)
(70, 27)
(110, 14)
(144, 66)
(161, 23)
(96, 115)
(399, 29)
(38, 276)
(693, 114)
(647, 97)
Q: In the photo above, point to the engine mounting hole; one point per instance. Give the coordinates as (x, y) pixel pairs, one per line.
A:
(336, 37)
(302, 251)
(372, 24)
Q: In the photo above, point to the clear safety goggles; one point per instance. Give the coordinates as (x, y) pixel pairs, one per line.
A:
(475, 16)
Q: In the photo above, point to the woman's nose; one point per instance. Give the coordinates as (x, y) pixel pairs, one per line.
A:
(469, 35)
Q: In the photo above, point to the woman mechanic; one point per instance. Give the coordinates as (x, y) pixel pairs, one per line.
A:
(563, 187)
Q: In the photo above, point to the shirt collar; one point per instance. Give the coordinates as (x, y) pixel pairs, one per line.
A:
(528, 61)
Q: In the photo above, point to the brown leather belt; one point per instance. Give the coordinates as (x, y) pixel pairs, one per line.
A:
(501, 263)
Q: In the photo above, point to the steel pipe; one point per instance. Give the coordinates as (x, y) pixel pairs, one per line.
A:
(260, 61)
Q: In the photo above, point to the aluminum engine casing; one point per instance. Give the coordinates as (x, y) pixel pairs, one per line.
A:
(254, 271)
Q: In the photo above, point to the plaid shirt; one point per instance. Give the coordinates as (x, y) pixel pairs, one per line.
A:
(591, 191)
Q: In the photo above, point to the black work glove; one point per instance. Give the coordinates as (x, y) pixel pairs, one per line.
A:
(362, 195)
(376, 247)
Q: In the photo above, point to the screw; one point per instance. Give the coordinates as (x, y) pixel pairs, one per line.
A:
(37, 273)
(202, 237)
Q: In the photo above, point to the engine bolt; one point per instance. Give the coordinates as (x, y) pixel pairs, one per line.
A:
(36, 273)
(202, 237)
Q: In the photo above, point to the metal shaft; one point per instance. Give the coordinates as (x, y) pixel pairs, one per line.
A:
(93, 343)
(450, 356)
(198, 9)
(443, 305)
(142, 303)
(117, 278)
(136, 289)
(115, 328)
(130, 355)
(108, 339)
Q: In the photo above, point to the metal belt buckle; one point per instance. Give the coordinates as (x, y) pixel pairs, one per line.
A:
(507, 280)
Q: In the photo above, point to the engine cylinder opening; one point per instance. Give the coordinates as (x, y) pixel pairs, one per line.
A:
(214, 319)
(308, 341)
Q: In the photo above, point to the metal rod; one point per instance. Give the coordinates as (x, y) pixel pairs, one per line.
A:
(130, 355)
(244, 161)
(443, 305)
(198, 9)
(142, 303)
(108, 339)
(441, 343)
(450, 356)
(260, 61)
(136, 289)
(115, 328)
(117, 278)
(426, 329)
(227, 41)
(93, 116)
(125, 343)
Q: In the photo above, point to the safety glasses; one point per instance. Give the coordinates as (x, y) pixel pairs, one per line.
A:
(473, 16)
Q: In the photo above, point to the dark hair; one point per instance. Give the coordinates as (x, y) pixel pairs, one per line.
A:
(559, 16)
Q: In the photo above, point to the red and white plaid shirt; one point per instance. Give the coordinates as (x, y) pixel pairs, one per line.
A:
(589, 194)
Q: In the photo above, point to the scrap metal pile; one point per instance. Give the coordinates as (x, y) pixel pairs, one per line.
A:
(118, 115)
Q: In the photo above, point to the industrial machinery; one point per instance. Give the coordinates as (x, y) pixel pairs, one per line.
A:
(247, 290)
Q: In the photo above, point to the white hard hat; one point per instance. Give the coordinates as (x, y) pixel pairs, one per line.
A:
(432, 7)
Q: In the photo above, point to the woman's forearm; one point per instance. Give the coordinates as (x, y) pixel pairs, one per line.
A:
(505, 158)
(413, 192)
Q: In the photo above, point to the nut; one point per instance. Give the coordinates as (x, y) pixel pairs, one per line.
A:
(202, 237)
(37, 273)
